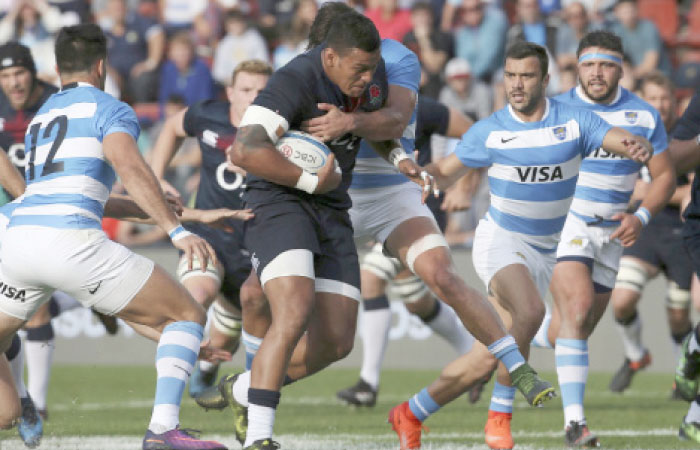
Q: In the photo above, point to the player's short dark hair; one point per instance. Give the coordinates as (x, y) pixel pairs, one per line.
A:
(79, 47)
(422, 6)
(352, 30)
(603, 39)
(322, 23)
(523, 49)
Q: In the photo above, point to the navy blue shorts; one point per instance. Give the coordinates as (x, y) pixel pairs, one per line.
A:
(662, 246)
(326, 232)
(691, 237)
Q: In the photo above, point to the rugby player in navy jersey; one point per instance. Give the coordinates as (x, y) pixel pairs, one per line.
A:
(685, 150)
(215, 123)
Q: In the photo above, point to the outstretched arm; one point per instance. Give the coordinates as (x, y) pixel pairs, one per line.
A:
(168, 142)
(10, 178)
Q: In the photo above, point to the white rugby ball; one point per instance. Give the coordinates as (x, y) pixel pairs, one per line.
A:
(304, 150)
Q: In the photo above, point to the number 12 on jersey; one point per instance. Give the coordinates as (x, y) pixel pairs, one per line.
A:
(49, 165)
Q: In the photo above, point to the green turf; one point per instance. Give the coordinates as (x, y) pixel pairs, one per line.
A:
(88, 401)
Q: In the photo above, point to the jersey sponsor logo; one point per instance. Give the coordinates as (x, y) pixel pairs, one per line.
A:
(17, 155)
(210, 138)
(12, 292)
(223, 175)
(348, 141)
(559, 132)
(504, 141)
(254, 261)
(576, 242)
(604, 154)
(94, 289)
(539, 174)
(631, 117)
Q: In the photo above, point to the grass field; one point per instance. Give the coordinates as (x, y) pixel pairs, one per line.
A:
(106, 408)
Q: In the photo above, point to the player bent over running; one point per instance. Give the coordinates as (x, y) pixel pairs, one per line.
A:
(533, 148)
(74, 141)
(215, 124)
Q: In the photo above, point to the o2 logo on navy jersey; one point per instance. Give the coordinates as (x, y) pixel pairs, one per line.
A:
(631, 117)
(17, 155)
(12, 292)
(540, 174)
(222, 173)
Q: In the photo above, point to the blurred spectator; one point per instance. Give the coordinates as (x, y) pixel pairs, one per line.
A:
(628, 81)
(640, 39)
(550, 7)
(275, 13)
(33, 22)
(207, 29)
(294, 38)
(391, 22)
(135, 48)
(184, 74)
(241, 42)
(481, 40)
(433, 47)
(73, 12)
(532, 26)
(575, 26)
(567, 77)
(464, 93)
(178, 15)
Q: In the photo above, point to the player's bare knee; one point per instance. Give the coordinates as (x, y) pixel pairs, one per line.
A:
(252, 299)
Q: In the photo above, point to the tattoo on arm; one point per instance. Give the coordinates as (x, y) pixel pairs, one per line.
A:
(253, 136)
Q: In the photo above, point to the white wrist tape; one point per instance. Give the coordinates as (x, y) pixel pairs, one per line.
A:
(397, 155)
(178, 233)
(643, 215)
(307, 182)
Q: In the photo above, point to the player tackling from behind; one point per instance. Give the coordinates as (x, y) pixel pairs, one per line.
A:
(76, 142)
(533, 148)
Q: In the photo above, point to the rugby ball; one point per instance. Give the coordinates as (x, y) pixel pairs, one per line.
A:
(304, 150)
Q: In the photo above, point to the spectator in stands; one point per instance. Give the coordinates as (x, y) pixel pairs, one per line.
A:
(481, 38)
(178, 15)
(135, 48)
(532, 26)
(294, 38)
(391, 22)
(640, 39)
(433, 47)
(575, 26)
(73, 12)
(184, 74)
(33, 23)
(470, 96)
(241, 42)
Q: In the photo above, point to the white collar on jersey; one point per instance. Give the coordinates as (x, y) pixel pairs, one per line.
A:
(582, 95)
(76, 84)
(518, 119)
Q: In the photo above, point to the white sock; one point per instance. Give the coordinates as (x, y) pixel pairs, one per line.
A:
(693, 345)
(65, 302)
(240, 388)
(541, 339)
(375, 327)
(17, 368)
(260, 422)
(693, 412)
(632, 338)
(39, 355)
(448, 325)
(206, 366)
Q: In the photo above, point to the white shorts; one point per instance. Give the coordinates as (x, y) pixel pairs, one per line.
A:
(496, 248)
(85, 264)
(376, 212)
(591, 244)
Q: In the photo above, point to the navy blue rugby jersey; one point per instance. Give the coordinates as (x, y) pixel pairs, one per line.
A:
(209, 122)
(292, 96)
(13, 125)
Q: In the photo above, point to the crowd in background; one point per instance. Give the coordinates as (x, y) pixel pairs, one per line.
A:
(164, 55)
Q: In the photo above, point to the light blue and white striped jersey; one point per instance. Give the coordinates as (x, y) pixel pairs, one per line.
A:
(606, 180)
(533, 167)
(68, 177)
(371, 170)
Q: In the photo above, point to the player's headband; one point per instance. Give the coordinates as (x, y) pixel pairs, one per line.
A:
(588, 56)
